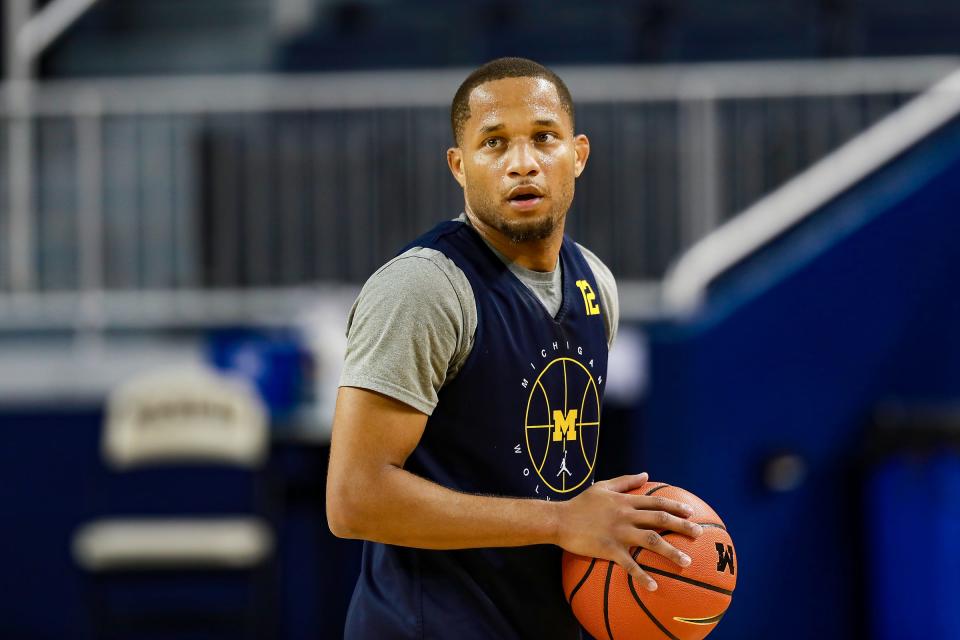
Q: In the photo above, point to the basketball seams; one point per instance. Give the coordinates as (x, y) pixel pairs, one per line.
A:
(677, 576)
(701, 509)
(586, 574)
(690, 581)
(655, 489)
(606, 599)
(695, 595)
(643, 607)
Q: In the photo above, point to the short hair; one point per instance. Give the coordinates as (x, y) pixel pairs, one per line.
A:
(497, 70)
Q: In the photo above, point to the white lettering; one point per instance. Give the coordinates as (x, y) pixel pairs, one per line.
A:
(599, 379)
(525, 383)
(526, 472)
(543, 352)
(591, 363)
(579, 351)
(516, 449)
(555, 346)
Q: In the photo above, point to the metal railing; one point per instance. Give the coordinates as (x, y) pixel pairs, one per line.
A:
(685, 286)
(160, 202)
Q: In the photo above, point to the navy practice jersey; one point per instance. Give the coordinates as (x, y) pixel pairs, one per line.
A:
(521, 419)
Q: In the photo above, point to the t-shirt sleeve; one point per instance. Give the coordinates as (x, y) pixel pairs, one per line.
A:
(405, 332)
(608, 294)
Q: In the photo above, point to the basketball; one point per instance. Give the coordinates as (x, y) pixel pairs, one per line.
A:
(689, 601)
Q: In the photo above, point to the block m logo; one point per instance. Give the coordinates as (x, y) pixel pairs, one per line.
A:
(564, 426)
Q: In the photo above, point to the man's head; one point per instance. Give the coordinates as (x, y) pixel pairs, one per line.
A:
(517, 155)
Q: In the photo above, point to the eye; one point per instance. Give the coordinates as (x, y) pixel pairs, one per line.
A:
(545, 136)
(492, 143)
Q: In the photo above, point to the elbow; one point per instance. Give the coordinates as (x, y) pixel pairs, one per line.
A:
(341, 516)
(355, 503)
(346, 511)
(339, 526)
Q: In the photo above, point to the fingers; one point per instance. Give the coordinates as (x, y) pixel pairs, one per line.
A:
(626, 561)
(663, 521)
(623, 484)
(657, 503)
(654, 542)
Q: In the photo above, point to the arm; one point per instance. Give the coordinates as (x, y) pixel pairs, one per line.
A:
(371, 496)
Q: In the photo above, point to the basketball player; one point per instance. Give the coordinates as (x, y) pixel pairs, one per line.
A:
(466, 427)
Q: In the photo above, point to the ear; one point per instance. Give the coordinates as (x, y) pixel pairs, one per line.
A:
(455, 162)
(581, 146)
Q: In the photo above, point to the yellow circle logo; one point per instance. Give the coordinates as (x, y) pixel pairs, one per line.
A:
(563, 424)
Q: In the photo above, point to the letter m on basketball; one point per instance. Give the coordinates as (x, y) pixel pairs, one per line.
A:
(564, 426)
(725, 557)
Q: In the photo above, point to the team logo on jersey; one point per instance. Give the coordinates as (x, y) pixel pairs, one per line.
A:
(562, 424)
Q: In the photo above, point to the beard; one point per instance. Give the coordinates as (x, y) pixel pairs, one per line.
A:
(526, 229)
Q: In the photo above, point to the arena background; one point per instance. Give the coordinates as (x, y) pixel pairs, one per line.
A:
(207, 183)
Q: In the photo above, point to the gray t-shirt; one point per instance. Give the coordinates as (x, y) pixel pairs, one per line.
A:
(411, 328)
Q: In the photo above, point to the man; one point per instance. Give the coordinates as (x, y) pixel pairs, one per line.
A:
(467, 422)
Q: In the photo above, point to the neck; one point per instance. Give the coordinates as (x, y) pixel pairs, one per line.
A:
(536, 255)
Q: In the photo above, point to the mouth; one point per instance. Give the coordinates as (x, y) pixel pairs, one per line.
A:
(525, 198)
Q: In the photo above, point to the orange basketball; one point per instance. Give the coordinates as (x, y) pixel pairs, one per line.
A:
(688, 602)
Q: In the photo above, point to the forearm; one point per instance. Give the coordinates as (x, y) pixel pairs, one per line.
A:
(371, 496)
(397, 507)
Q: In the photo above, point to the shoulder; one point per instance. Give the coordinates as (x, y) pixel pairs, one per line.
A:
(608, 294)
(420, 279)
(421, 272)
(600, 270)
(409, 328)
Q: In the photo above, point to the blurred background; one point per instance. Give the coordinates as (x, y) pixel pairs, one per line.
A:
(192, 192)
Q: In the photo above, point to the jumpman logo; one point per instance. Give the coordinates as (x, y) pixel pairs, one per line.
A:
(563, 465)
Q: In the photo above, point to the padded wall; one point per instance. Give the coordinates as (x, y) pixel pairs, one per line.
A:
(792, 352)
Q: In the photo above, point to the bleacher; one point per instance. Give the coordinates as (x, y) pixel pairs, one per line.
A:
(165, 37)
(152, 35)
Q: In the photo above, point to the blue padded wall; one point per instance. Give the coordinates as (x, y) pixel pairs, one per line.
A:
(792, 351)
(914, 503)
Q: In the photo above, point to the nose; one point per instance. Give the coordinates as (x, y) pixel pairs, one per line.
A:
(522, 162)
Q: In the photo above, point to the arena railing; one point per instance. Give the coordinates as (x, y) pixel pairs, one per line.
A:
(181, 202)
(687, 283)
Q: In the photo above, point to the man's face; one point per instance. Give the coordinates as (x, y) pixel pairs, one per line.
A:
(518, 158)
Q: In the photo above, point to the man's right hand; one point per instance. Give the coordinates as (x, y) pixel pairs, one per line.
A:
(606, 522)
